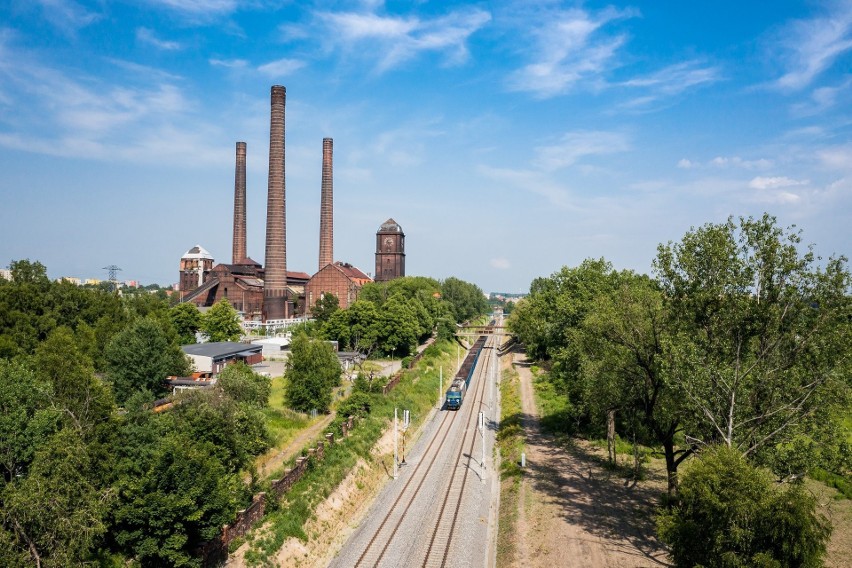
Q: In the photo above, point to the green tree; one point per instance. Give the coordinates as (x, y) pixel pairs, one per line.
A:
(730, 514)
(398, 327)
(57, 513)
(761, 335)
(243, 385)
(83, 401)
(141, 357)
(325, 307)
(181, 500)
(236, 432)
(26, 417)
(312, 371)
(466, 300)
(187, 320)
(221, 322)
(356, 327)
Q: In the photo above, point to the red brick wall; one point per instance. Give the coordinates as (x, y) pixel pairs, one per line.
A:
(330, 280)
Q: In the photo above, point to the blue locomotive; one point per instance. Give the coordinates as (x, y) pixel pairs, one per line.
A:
(458, 388)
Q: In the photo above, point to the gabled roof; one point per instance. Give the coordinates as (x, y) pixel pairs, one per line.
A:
(351, 272)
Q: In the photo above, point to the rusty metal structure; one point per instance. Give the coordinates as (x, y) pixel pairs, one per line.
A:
(275, 280)
(326, 244)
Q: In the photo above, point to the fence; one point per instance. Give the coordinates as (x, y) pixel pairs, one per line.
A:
(394, 380)
(215, 552)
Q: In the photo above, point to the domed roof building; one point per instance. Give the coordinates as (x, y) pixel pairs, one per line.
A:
(194, 264)
(390, 251)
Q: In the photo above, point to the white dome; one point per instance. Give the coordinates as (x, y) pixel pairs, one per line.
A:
(198, 252)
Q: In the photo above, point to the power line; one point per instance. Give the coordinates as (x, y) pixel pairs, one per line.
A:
(111, 270)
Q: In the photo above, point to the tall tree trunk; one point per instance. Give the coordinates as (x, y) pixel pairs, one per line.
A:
(671, 466)
(610, 435)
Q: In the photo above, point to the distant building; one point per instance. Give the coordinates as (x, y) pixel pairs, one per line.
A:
(390, 251)
(213, 357)
(242, 285)
(339, 278)
(5, 274)
(194, 265)
(71, 280)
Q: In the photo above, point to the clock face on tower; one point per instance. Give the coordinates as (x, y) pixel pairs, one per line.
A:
(388, 243)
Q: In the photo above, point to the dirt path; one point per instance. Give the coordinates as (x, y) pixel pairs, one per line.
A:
(275, 458)
(571, 512)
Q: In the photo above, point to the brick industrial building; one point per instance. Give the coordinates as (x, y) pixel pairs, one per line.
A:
(272, 292)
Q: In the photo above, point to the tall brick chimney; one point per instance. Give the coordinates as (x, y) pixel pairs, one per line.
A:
(275, 279)
(239, 249)
(326, 246)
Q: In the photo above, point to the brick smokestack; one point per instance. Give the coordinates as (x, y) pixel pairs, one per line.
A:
(275, 279)
(239, 250)
(326, 246)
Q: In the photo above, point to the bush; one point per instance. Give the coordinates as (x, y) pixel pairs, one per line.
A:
(730, 514)
(358, 404)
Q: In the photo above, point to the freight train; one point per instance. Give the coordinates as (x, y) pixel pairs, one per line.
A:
(458, 388)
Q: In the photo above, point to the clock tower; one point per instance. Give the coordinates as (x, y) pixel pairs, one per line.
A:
(390, 251)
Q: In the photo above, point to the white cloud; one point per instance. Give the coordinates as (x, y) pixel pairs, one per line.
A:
(823, 98)
(531, 181)
(725, 162)
(145, 35)
(229, 63)
(500, 263)
(777, 182)
(569, 47)
(395, 40)
(575, 145)
(671, 81)
(199, 7)
(66, 15)
(836, 157)
(809, 47)
(80, 116)
(281, 67)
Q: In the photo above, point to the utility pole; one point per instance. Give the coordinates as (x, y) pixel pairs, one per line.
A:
(482, 434)
(406, 421)
(395, 443)
(440, 386)
(111, 270)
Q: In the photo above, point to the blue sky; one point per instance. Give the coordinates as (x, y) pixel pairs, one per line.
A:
(507, 138)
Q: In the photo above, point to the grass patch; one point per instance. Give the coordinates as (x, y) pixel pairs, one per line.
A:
(842, 484)
(283, 423)
(554, 408)
(417, 392)
(510, 441)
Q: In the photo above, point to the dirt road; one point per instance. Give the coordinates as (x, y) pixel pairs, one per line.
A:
(572, 512)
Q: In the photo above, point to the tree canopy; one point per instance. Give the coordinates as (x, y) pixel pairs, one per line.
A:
(312, 371)
(221, 322)
(141, 357)
(742, 339)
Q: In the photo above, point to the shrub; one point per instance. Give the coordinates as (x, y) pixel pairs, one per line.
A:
(730, 514)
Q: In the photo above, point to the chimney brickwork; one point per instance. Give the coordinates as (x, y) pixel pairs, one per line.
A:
(239, 249)
(275, 280)
(326, 245)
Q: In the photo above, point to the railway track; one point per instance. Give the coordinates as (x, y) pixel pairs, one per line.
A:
(385, 541)
(437, 554)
